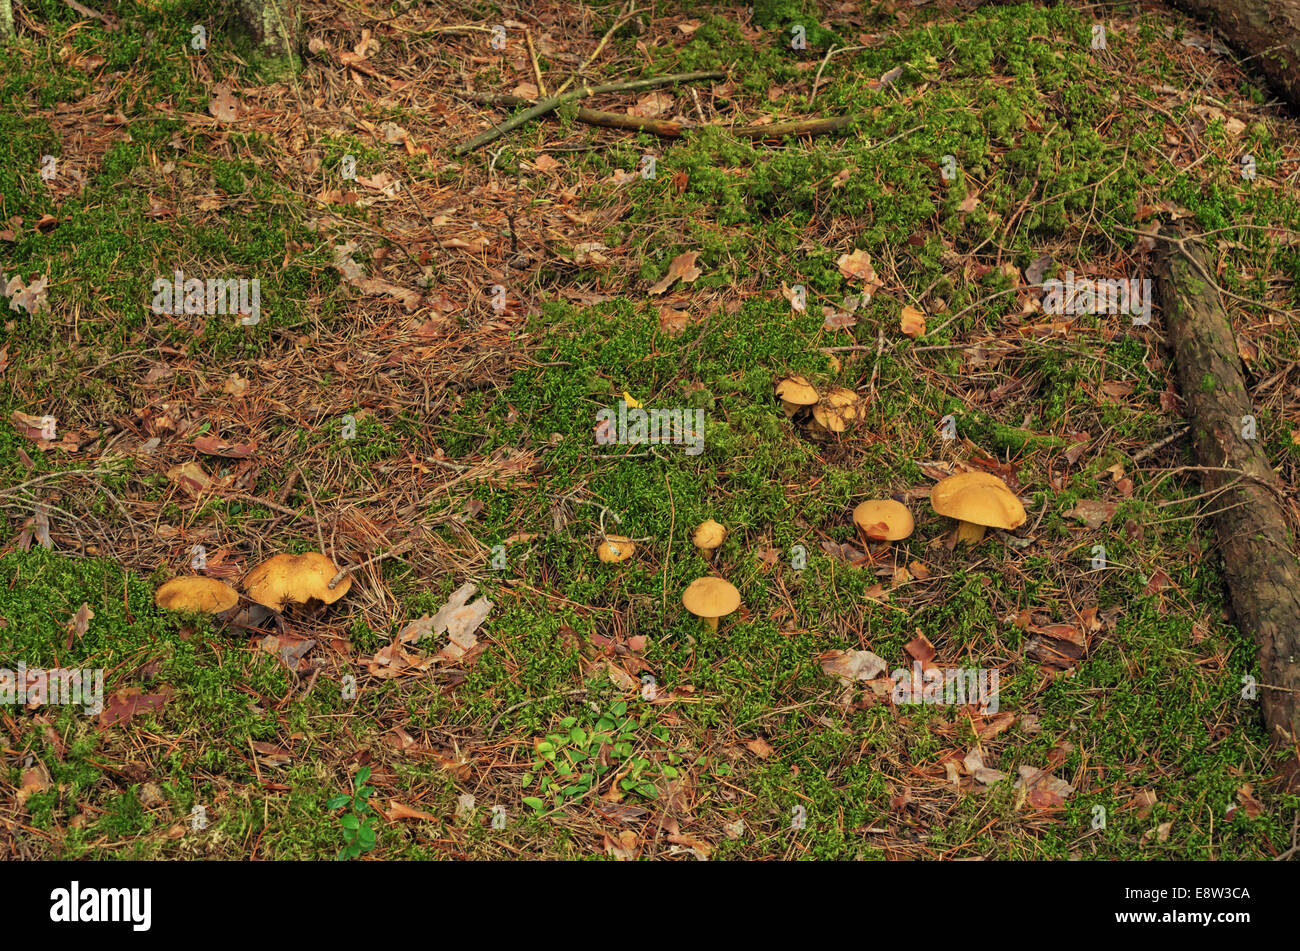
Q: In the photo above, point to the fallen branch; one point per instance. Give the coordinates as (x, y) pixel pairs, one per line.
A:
(669, 129)
(553, 103)
(1259, 564)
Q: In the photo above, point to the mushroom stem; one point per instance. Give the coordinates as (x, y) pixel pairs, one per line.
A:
(712, 622)
(969, 532)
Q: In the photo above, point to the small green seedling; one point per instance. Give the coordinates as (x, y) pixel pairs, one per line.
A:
(358, 833)
(575, 760)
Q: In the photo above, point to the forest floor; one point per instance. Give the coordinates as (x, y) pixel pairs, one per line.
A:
(435, 339)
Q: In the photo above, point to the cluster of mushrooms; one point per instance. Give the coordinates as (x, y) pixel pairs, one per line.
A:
(275, 583)
(709, 597)
(829, 412)
(976, 500)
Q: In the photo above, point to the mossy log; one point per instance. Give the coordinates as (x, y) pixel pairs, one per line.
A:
(1260, 566)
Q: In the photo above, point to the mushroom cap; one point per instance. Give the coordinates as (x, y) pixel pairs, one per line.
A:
(797, 391)
(615, 548)
(978, 497)
(297, 578)
(708, 535)
(883, 519)
(196, 593)
(838, 408)
(710, 597)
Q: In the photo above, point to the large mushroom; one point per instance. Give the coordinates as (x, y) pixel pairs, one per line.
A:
(711, 598)
(285, 579)
(708, 536)
(615, 548)
(196, 593)
(795, 393)
(977, 500)
(883, 520)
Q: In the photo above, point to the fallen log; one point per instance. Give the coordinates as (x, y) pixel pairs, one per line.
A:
(1260, 566)
(554, 102)
(669, 129)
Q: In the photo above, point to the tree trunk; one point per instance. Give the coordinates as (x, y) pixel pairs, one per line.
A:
(1259, 560)
(6, 20)
(272, 27)
(1266, 30)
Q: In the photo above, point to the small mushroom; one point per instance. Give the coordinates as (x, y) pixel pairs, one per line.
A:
(615, 548)
(711, 598)
(283, 579)
(196, 593)
(837, 409)
(708, 536)
(795, 393)
(977, 500)
(883, 520)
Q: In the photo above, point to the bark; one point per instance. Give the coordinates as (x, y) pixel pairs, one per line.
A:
(273, 28)
(1268, 31)
(1259, 562)
(6, 20)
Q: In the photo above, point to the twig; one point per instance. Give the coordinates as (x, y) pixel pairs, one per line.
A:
(537, 70)
(320, 537)
(618, 21)
(1161, 443)
(395, 550)
(554, 102)
(581, 691)
(826, 59)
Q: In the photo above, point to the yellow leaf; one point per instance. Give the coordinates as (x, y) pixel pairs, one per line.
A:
(631, 402)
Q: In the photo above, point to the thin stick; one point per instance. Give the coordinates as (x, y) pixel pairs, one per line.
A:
(537, 70)
(619, 21)
(553, 103)
(320, 536)
(395, 550)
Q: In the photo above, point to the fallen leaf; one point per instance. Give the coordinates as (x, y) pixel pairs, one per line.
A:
(857, 266)
(681, 268)
(1092, 513)
(912, 322)
(760, 747)
(852, 665)
(129, 701)
(35, 779)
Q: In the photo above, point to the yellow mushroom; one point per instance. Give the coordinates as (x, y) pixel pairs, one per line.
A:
(707, 537)
(285, 579)
(883, 520)
(977, 500)
(837, 409)
(615, 548)
(711, 598)
(795, 393)
(196, 593)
